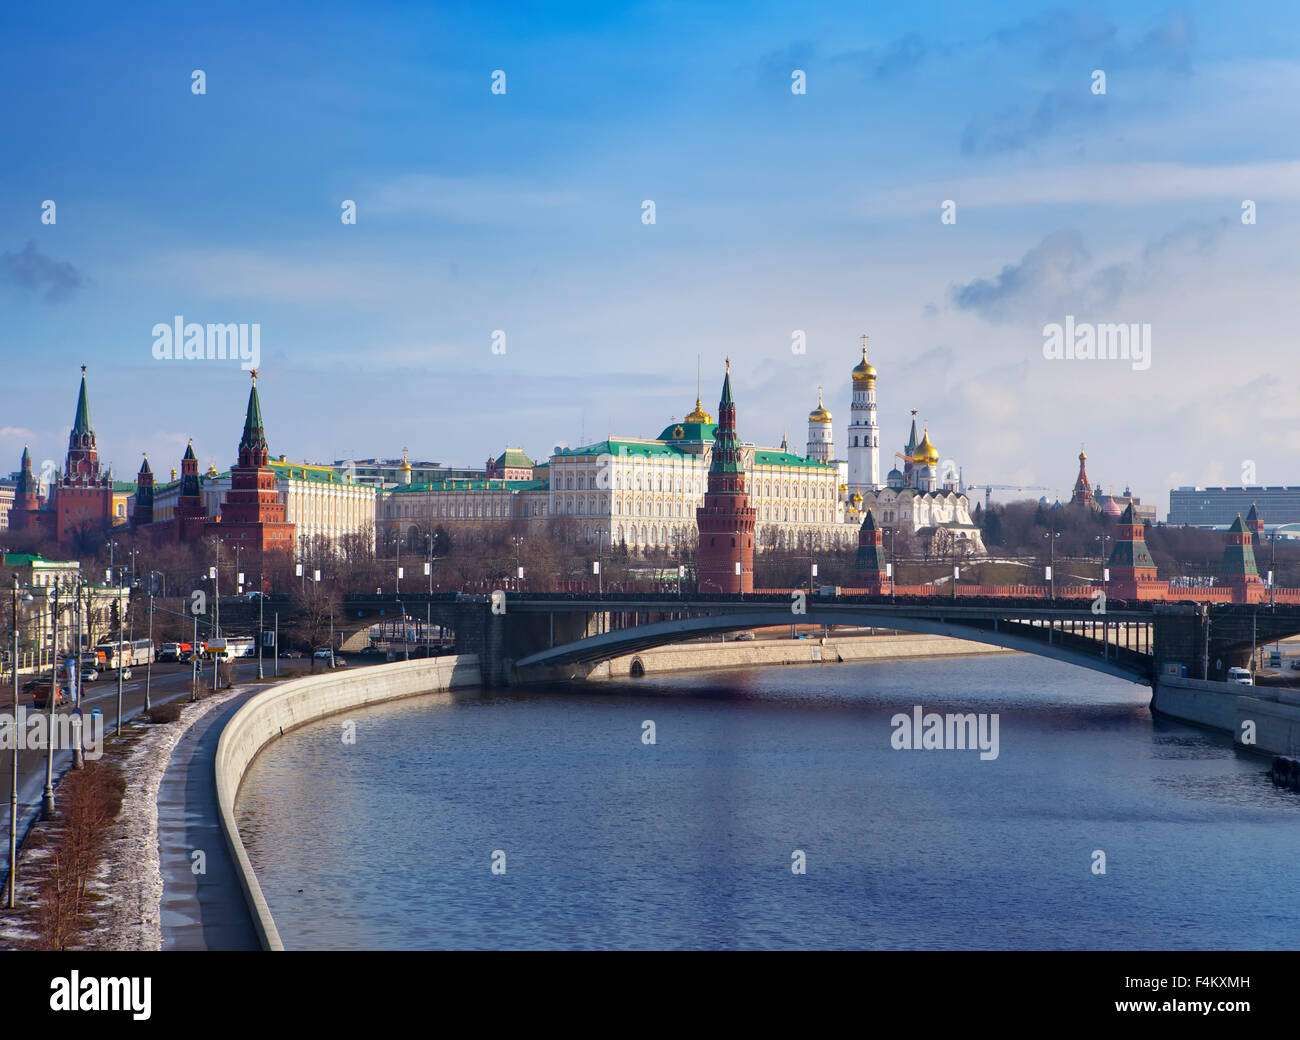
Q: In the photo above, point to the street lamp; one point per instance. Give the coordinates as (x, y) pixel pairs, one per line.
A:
(47, 798)
(13, 784)
(1051, 537)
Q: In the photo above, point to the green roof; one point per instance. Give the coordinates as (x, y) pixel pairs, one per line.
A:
(515, 459)
(776, 457)
(123, 485)
(689, 432)
(471, 485)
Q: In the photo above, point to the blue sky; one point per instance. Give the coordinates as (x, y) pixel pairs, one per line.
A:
(774, 212)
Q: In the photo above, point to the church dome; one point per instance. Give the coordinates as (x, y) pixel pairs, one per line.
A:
(863, 371)
(819, 414)
(926, 453)
(699, 415)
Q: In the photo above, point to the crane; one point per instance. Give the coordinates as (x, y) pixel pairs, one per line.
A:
(990, 488)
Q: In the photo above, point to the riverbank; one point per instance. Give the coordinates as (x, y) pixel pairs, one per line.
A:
(285, 707)
(688, 657)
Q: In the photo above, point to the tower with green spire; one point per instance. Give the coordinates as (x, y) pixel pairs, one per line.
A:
(253, 513)
(1237, 568)
(82, 497)
(82, 466)
(726, 519)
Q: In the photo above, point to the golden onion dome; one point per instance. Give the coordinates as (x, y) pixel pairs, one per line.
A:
(856, 499)
(406, 466)
(863, 371)
(819, 414)
(699, 415)
(926, 453)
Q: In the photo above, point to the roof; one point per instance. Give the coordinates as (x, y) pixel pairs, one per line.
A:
(664, 447)
(776, 457)
(515, 459)
(81, 424)
(124, 487)
(689, 431)
(469, 485)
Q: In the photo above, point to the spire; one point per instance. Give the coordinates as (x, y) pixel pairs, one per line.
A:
(81, 424)
(726, 388)
(252, 445)
(912, 441)
(189, 452)
(144, 466)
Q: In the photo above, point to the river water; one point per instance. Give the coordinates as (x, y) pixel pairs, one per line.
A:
(388, 842)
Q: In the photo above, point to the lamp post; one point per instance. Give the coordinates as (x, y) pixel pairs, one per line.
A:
(13, 782)
(47, 798)
(1051, 537)
(148, 661)
(117, 731)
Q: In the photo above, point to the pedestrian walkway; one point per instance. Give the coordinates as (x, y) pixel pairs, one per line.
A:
(206, 911)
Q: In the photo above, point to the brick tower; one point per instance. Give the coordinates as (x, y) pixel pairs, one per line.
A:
(1237, 569)
(191, 517)
(1256, 526)
(25, 514)
(1132, 570)
(83, 496)
(253, 515)
(726, 520)
(869, 569)
(142, 514)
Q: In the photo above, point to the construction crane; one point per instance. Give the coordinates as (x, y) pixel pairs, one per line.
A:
(990, 488)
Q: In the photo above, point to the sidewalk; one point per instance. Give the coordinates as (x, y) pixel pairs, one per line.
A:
(205, 912)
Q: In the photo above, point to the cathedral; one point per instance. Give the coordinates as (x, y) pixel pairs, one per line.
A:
(923, 497)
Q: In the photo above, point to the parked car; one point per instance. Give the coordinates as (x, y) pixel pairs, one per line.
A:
(744, 635)
(371, 651)
(1295, 665)
(324, 655)
(291, 653)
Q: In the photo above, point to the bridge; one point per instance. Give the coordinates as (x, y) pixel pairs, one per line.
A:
(520, 636)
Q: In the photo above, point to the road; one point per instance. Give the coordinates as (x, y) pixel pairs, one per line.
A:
(168, 682)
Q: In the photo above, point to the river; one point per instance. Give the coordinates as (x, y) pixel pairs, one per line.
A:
(389, 842)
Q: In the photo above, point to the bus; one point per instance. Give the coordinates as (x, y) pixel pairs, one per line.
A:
(229, 647)
(129, 652)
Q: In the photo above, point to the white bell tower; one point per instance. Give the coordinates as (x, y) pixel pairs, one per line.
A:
(864, 429)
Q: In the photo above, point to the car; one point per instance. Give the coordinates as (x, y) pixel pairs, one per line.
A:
(41, 695)
(325, 655)
(291, 653)
(1295, 665)
(1241, 676)
(371, 651)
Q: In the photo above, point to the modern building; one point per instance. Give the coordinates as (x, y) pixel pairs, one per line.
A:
(7, 488)
(1217, 507)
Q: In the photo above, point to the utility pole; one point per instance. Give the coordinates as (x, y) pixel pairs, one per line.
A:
(148, 663)
(47, 799)
(118, 724)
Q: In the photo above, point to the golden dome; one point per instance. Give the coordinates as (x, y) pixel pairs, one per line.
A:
(926, 453)
(819, 414)
(405, 466)
(863, 372)
(855, 498)
(699, 415)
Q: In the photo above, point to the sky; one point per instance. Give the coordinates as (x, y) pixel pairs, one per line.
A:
(779, 216)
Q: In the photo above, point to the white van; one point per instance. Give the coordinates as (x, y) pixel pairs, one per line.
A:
(1241, 676)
